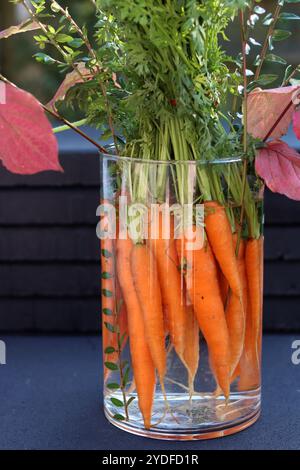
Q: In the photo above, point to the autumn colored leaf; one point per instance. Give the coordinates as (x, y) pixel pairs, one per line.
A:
(296, 124)
(27, 25)
(71, 79)
(28, 145)
(266, 106)
(279, 166)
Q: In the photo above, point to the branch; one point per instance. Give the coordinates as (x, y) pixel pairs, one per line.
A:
(93, 54)
(244, 53)
(50, 39)
(245, 119)
(62, 119)
(286, 109)
(266, 43)
(292, 74)
(74, 128)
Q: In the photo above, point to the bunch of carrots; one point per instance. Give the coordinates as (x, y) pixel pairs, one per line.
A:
(169, 290)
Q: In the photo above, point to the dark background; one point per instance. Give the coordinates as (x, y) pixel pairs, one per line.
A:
(49, 253)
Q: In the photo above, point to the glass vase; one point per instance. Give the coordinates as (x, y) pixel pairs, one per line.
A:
(182, 282)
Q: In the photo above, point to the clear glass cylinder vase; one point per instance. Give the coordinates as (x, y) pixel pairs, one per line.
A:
(182, 282)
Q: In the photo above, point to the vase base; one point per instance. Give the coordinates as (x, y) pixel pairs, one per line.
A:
(210, 431)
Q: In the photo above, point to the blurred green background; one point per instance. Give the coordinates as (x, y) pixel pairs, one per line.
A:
(16, 52)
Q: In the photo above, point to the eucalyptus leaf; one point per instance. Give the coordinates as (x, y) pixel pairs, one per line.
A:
(106, 275)
(117, 402)
(263, 80)
(111, 365)
(106, 253)
(275, 58)
(62, 38)
(289, 17)
(254, 42)
(268, 19)
(107, 311)
(267, 79)
(126, 376)
(130, 400)
(280, 35)
(44, 58)
(119, 417)
(113, 386)
(110, 327)
(259, 10)
(294, 81)
(107, 293)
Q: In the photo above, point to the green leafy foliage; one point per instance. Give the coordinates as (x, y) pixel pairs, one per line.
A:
(111, 365)
(117, 402)
(110, 327)
(161, 80)
(107, 311)
(107, 293)
(113, 386)
(119, 417)
(173, 73)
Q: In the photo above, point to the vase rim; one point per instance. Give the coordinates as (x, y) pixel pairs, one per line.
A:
(215, 161)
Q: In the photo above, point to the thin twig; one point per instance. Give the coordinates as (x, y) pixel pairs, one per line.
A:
(286, 109)
(245, 123)
(70, 19)
(50, 39)
(245, 107)
(76, 129)
(122, 387)
(292, 74)
(43, 28)
(266, 43)
(93, 54)
(251, 10)
(61, 118)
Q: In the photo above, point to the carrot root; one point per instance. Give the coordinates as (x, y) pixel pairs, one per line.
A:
(204, 292)
(143, 367)
(219, 234)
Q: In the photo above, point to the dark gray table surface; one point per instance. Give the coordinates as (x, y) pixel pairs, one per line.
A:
(50, 398)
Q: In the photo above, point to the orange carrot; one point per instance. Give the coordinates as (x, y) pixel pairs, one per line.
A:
(191, 350)
(170, 283)
(192, 337)
(250, 361)
(253, 259)
(143, 367)
(249, 371)
(204, 292)
(235, 311)
(220, 238)
(146, 282)
(166, 325)
(223, 286)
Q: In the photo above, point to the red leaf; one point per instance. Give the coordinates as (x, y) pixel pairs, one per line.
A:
(279, 165)
(71, 79)
(27, 143)
(296, 124)
(266, 106)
